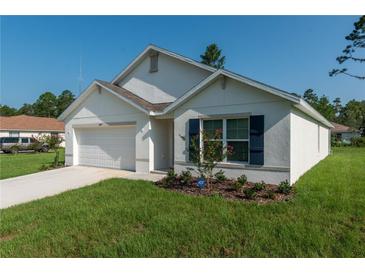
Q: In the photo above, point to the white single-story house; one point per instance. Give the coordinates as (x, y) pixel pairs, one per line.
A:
(136, 121)
(344, 133)
(30, 126)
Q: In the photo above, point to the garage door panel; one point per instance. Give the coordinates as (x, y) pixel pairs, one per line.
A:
(107, 147)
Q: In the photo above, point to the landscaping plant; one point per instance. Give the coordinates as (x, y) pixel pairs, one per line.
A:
(259, 186)
(220, 177)
(284, 187)
(250, 193)
(185, 177)
(206, 158)
(242, 179)
(240, 182)
(171, 177)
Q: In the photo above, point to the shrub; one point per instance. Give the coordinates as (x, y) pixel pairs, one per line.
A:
(284, 187)
(240, 182)
(358, 141)
(242, 179)
(171, 177)
(237, 185)
(250, 193)
(219, 176)
(186, 177)
(259, 186)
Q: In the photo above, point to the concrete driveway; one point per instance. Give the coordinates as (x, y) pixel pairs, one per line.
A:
(26, 188)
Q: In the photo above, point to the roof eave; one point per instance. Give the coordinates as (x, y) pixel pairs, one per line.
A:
(308, 109)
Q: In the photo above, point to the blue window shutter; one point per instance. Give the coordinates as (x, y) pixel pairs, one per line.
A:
(194, 132)
(257, 140)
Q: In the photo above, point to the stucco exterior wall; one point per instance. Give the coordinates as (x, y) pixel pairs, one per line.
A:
(103, 108)
(309, 143)
(241, 100)
(161, 139)
(171, 81)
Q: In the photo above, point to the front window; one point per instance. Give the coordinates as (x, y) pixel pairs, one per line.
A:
(231, 133)
(214, 131)
(237, 138)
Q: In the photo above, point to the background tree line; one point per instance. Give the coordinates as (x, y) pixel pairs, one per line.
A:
(47, 105)
(351, 114)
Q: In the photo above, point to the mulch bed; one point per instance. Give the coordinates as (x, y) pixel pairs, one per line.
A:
(225, 189)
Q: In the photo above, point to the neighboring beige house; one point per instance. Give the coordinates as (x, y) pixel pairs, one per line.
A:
(137, 121)
(30, 126)
(344, 133)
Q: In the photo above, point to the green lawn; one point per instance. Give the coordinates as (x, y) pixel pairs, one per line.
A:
(12, 165)
(121, 218)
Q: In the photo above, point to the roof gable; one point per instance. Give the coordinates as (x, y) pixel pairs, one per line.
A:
(151, 48)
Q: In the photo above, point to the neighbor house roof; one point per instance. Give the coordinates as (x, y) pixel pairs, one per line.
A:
(31, 123)
(338, 128)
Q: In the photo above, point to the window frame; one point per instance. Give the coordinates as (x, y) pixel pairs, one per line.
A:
(224, 139)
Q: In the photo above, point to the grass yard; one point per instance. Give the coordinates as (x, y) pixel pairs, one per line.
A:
(25, 163)
(121, 218)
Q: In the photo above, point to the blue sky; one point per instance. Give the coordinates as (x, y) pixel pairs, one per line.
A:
(294, 53)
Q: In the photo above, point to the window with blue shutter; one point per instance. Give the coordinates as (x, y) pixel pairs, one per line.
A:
(257, 140)
(194, 136)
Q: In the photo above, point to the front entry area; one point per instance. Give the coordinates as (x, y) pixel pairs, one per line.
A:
(109, 147)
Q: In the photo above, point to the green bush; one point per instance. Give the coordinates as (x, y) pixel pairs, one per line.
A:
(242, 179)
(358, 141)
(237, 185)
(186, 178)
(284, 187)
(259, 186)
(250, 193)
(240, 182)
(220, 177)
(171, 177)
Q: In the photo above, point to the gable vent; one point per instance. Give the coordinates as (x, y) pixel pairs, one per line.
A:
(153, 61)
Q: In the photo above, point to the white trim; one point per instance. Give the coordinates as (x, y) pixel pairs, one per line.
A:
(308, 109)
(143, 54)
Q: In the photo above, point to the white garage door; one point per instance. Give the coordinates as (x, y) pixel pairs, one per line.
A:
(112, 147)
